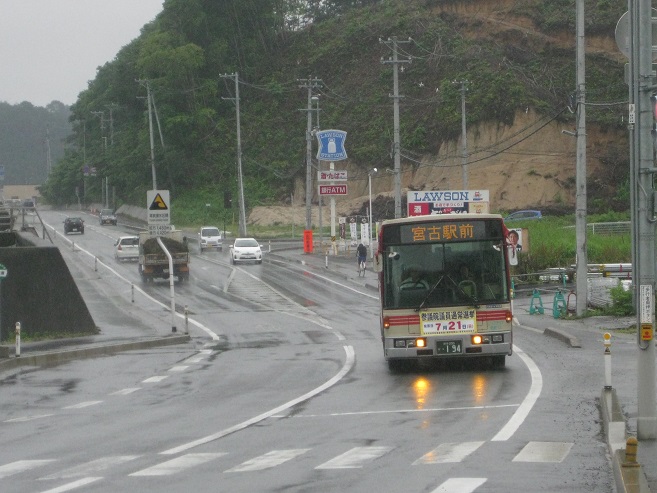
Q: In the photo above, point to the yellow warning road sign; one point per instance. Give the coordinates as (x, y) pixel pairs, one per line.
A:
(157, 205)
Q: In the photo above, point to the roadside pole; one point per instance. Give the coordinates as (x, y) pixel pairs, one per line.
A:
(637, 45)
(171, 283)
(3, 275)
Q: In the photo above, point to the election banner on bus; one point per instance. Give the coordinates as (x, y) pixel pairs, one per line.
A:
(424, 203)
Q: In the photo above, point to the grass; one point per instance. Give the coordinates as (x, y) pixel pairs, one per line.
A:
(552, 242)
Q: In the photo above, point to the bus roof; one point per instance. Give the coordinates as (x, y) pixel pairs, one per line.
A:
(441, 217)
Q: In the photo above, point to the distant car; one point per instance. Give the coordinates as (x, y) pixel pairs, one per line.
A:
(29, 203)
(107, 216)
(523, 216)
(210, 237)
(245, 249)
(72, 224)
(126, 248)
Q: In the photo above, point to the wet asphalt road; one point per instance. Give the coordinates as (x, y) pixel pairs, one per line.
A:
(284, 388)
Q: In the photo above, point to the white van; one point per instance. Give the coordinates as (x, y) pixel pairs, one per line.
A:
(210, 237)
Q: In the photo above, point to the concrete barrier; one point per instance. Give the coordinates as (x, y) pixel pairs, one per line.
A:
(39, 290)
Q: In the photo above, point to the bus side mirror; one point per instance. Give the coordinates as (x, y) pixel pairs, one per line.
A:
(378, 265)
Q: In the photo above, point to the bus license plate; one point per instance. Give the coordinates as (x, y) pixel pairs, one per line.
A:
(449, 347)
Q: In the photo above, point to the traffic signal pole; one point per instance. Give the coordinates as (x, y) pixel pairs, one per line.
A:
(643, 208)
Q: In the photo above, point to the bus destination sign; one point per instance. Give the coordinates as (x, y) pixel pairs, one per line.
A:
(444, 231)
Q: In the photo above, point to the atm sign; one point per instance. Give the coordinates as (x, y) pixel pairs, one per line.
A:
(333, 189)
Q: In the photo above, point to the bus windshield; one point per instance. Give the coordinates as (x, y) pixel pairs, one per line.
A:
(421, 276)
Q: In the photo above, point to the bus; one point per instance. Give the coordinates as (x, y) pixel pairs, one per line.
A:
(445, 288)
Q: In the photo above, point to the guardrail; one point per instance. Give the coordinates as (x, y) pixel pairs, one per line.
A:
(615, 228)
(612, 228)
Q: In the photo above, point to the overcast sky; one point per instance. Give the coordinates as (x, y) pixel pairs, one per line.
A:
(50, 49)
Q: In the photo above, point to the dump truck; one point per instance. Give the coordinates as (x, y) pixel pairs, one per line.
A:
(154, 263)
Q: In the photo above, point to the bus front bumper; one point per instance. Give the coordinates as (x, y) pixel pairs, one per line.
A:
(453, 346)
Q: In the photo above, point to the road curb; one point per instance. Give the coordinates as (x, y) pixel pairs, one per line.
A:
(569, 339)
(55, 357)
(630, 478)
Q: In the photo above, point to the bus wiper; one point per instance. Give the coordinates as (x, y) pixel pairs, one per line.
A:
(426, 298)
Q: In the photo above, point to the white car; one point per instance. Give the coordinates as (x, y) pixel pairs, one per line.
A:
(126, 248)
(245, 249)
(209, 237)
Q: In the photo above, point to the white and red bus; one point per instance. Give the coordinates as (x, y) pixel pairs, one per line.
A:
(445, 288)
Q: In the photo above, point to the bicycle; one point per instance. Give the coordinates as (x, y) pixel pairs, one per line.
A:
(361, 266)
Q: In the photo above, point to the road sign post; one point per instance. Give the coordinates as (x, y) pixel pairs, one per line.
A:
(3, 275)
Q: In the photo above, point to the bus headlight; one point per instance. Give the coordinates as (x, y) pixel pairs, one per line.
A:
(386, 322)
(476, 340)
(420, 343)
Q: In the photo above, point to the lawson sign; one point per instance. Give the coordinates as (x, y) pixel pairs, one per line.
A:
(422, 203)
(331, 145)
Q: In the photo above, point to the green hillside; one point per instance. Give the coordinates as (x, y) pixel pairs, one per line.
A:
(515, 55)
(32, 140)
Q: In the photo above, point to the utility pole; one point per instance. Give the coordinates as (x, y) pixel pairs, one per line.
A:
(309, 84)
(319, 169)
(580, 175)
(240, 181)
(48, 155)
(111, 107)
(464, 134)
(643, 205)
(395, 61)
(101, 115)
(150, 133)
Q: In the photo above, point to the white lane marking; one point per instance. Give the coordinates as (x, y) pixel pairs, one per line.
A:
(21, 466)
(214, 336)
(448, 452)
(324, 278)
(155, 379)
(83, 405)
(268, 460)
(126, 391)
(179, 368)
(195, 359)
(460, 485)
(229, 280)
(348, 365)
(528, 402)
(402, 411)
(72, 486)
(94, 466)
(178, 464)
(543, 452)
(27, 418)
(355, 458)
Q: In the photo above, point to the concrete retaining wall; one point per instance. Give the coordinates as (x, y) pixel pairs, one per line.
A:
(39, 290)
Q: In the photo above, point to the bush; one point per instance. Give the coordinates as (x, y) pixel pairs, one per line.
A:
(621, 303)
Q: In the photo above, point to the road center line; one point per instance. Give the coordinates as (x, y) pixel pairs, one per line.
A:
(402, 411)
(348, 365)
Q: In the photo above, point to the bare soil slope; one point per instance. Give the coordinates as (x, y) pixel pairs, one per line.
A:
(530, 164)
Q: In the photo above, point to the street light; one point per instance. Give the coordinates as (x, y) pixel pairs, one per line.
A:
(369, 182)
